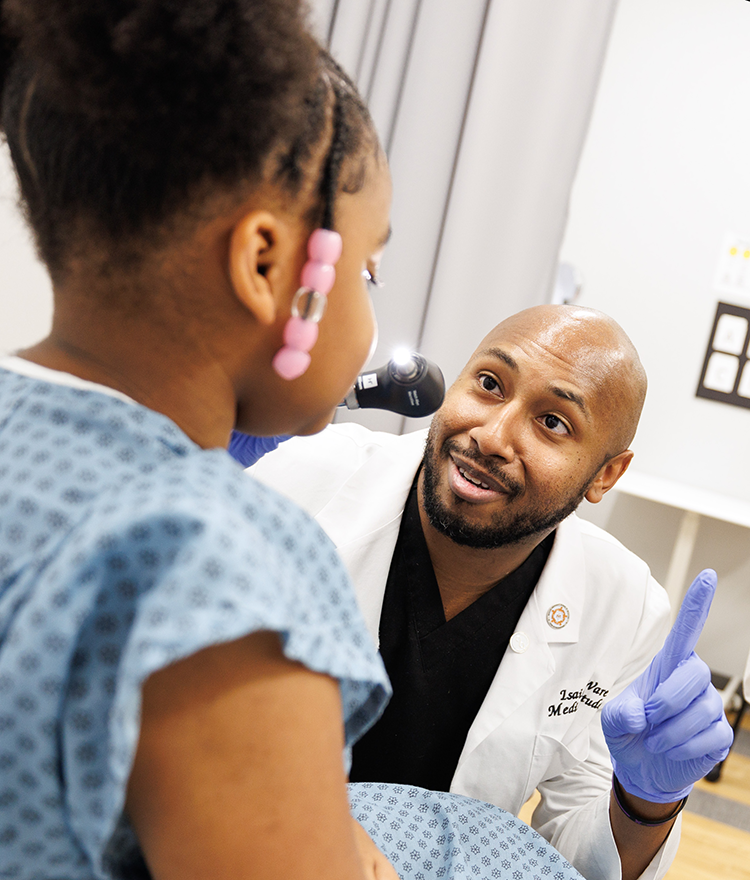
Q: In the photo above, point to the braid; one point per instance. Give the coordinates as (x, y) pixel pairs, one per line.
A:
(350, 122)
(350, 119)
(124, 118)
(329, 182)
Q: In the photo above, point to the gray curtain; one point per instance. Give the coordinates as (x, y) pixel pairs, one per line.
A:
(482, 107)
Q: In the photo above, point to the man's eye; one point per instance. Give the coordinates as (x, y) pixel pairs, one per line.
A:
(372, 278)
(489, 383)
(556, 425)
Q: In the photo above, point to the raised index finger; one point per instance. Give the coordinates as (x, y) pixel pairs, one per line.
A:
(693, 612)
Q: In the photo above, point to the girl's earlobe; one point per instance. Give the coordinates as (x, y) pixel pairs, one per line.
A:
(250, 257)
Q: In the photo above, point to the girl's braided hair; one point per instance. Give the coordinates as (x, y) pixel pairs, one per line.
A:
(120, 114)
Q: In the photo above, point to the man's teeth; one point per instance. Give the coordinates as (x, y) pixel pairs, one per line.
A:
(472, 480)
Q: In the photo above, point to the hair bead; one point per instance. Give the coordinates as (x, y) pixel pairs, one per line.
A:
(308, 307)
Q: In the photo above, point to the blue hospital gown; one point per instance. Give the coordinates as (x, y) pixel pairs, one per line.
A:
(124, 547)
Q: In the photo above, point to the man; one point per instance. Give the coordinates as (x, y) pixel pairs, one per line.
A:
(504, 621)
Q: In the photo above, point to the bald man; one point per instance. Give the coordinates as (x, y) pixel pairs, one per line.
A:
(505, 622)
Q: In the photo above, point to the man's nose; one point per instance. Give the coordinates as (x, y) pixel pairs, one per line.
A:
(498, 434)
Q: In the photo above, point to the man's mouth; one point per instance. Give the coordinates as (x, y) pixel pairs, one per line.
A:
(474, 484)
(467, 476)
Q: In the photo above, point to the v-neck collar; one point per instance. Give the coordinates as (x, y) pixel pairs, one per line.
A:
(438, 636)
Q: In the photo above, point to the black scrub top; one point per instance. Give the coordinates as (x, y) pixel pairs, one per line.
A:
(440, 670)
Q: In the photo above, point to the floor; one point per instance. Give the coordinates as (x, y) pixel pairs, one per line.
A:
(715, 843)
(716, 826)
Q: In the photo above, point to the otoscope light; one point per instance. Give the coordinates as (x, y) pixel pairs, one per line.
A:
(402, 356)
(405, 366)
(408, 384)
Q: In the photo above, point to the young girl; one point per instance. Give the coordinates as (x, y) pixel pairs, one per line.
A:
(178, 645)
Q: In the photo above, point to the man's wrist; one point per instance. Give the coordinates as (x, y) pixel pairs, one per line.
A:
(645, 812)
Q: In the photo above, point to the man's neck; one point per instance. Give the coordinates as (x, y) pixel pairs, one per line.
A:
(465, 574)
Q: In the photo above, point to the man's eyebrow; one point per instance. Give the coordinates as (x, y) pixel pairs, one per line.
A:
(572, 396)
(500, 355)
(562, 393)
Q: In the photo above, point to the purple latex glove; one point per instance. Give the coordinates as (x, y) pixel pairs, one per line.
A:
(667, 729)
(247, 449)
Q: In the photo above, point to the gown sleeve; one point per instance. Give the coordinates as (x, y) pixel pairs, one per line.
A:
(167, 575)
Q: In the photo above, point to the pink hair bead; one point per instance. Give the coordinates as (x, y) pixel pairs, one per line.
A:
(301, 330)
(290, 363)
(318, 276)
(300, 334)
(324, 246)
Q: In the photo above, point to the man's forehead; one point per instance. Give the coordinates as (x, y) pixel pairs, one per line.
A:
(574, 364)
(574, 354)
(548, 326)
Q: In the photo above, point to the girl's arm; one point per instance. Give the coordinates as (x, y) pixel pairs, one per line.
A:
(239, 769)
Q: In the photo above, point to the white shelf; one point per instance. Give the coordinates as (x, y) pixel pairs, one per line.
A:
(694, 503)
(675, 494)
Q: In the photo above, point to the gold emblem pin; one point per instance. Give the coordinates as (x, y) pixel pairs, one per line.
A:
(558, 616)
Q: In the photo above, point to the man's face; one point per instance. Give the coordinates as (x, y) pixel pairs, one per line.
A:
(520, 438)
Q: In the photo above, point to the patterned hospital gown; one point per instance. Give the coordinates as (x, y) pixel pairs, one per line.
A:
(123, 547)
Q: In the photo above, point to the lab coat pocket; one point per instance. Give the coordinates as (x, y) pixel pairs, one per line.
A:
(554, 756)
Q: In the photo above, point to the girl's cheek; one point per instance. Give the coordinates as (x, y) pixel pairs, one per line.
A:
(374, 343)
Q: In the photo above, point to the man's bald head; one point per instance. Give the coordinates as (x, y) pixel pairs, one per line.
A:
(540, 418)
(599, 348)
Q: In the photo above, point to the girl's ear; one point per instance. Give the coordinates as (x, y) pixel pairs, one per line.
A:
(259, 245)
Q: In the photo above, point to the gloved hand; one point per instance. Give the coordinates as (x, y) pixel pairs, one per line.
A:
(247, 449)
(667, 729)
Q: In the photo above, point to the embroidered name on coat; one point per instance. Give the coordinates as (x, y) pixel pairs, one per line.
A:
(592, 695)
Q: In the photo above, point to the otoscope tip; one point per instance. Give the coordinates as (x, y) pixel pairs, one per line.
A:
(402, 356)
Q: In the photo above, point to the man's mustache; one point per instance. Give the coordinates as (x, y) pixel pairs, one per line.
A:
(487, 465)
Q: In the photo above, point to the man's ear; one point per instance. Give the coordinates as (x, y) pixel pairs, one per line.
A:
(256, 245)
(608, 476)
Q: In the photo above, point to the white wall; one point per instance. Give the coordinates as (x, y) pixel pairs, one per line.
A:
(663, 177)
(25, 293)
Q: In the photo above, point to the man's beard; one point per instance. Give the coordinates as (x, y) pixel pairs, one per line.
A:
(505, 527)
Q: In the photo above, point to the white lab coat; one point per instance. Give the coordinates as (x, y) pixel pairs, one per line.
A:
(539, 725)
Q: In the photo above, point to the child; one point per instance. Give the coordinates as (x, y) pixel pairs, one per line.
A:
(178, 645)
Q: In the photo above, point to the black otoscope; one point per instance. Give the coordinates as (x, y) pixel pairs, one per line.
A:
(409, 385)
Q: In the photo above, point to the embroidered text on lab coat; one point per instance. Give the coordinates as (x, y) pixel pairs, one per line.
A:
(570, 700)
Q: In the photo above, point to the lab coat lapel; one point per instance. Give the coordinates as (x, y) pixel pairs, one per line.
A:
(365, 531)
(563, 582)
(520, 676)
